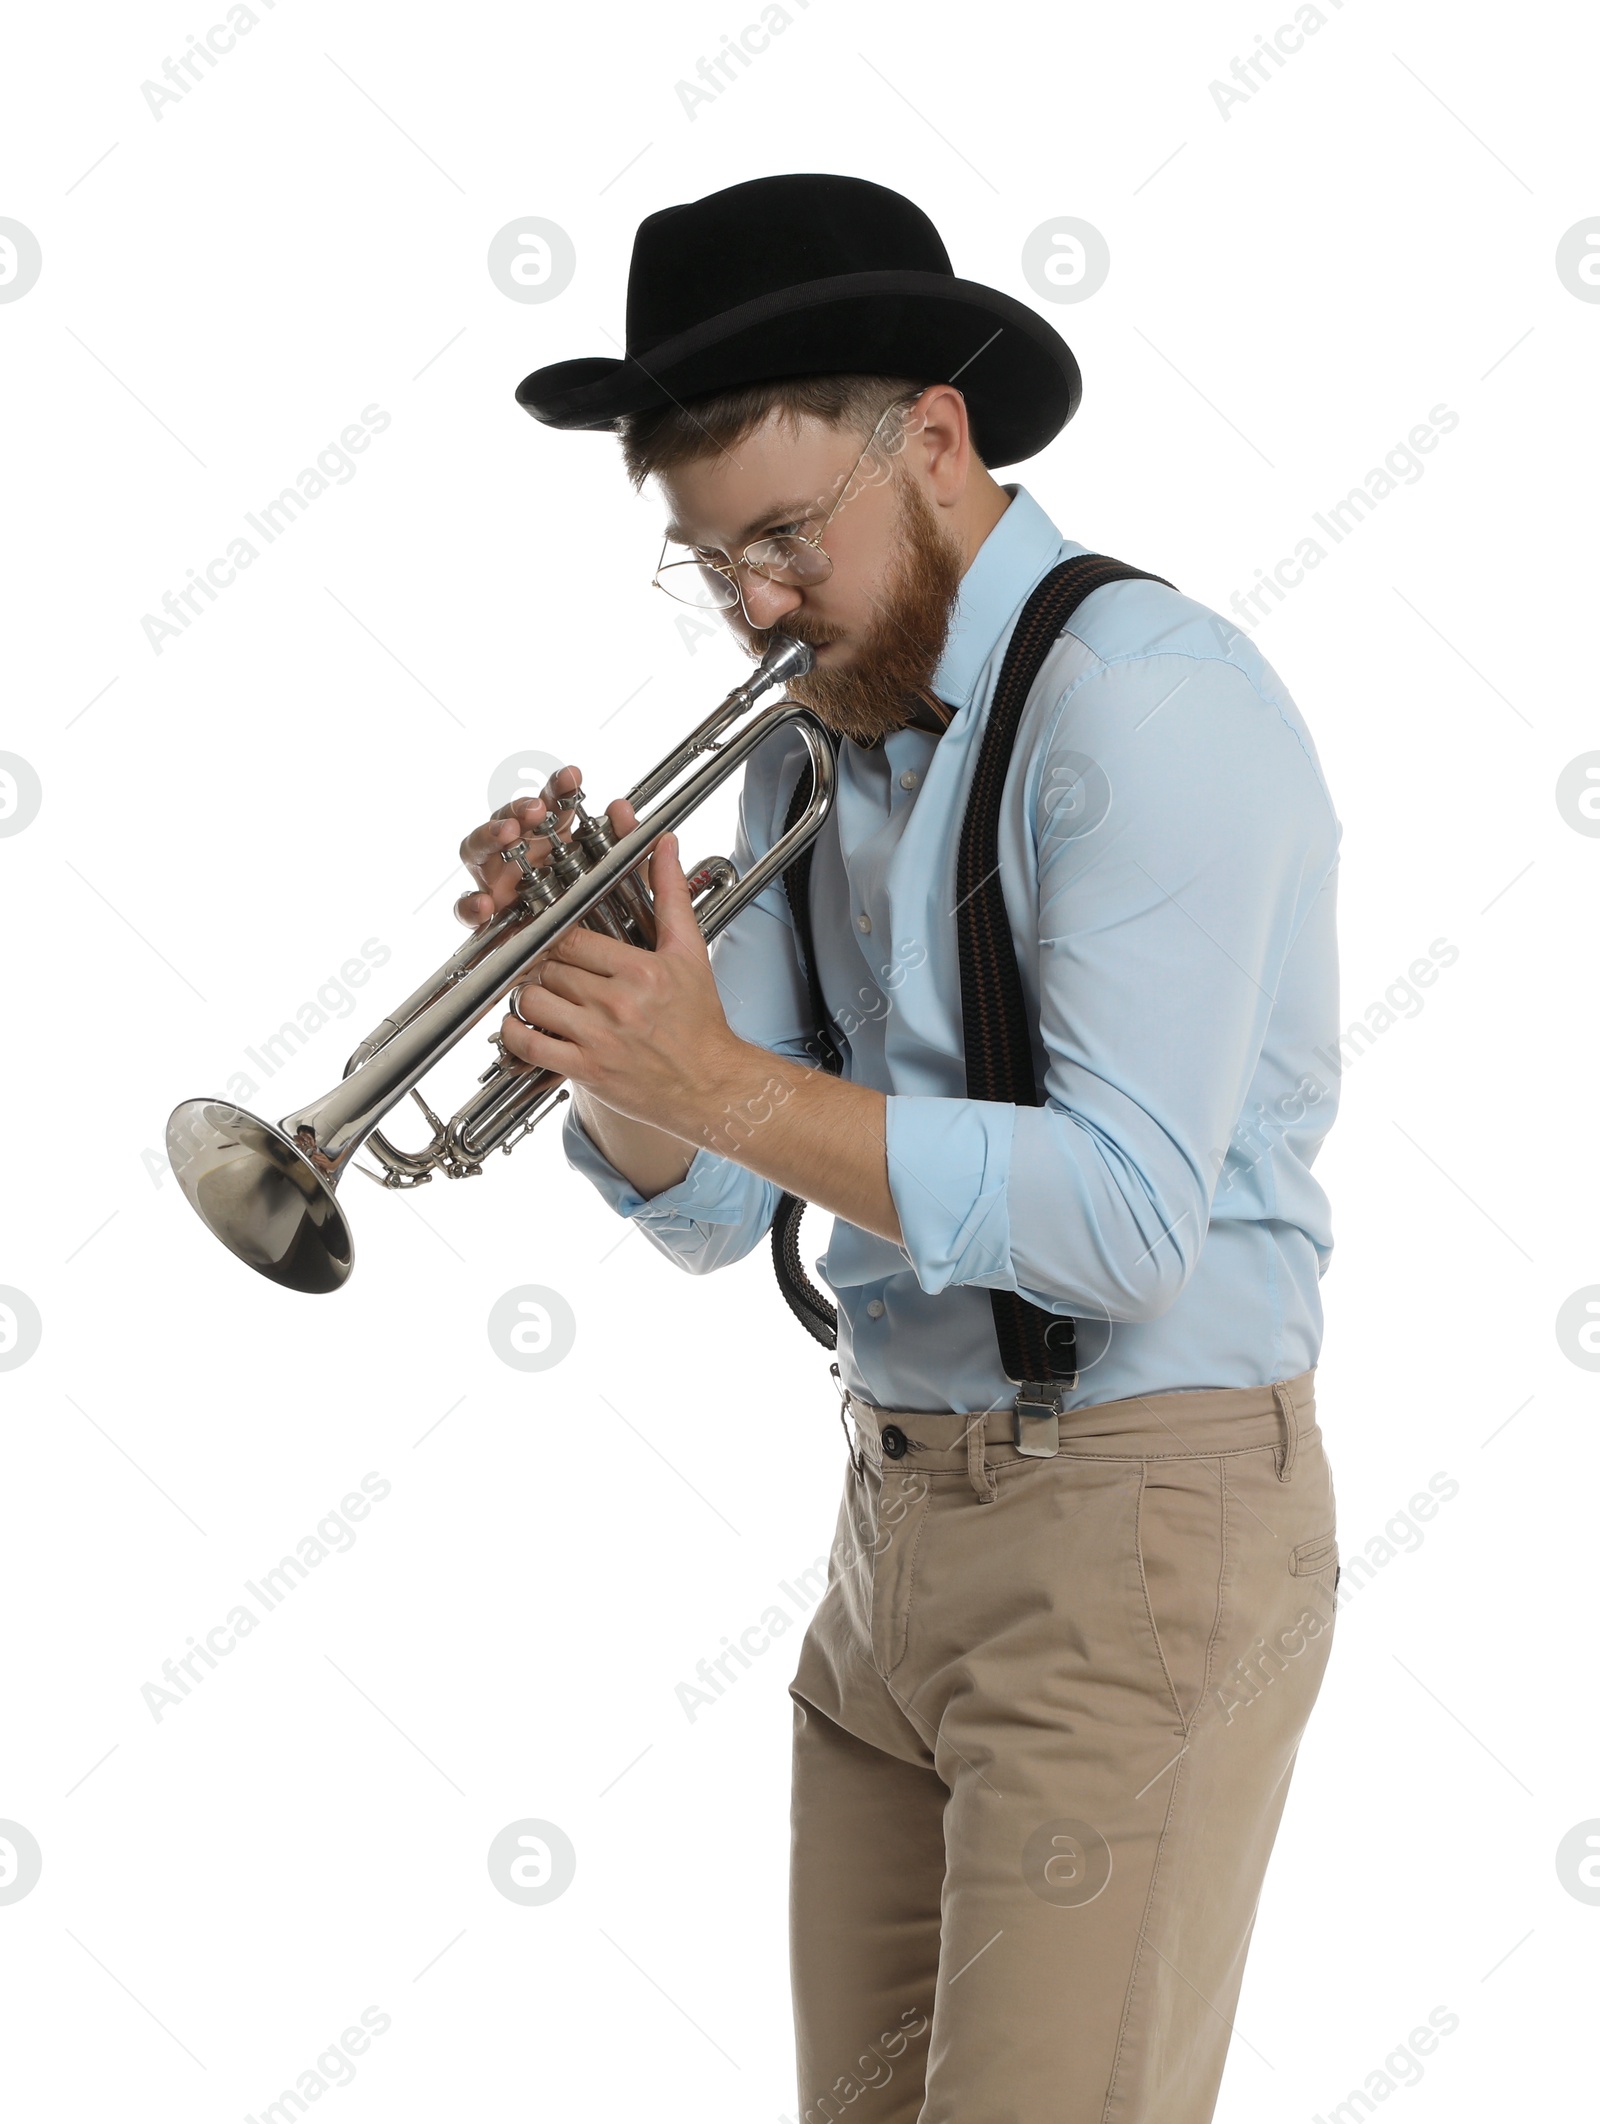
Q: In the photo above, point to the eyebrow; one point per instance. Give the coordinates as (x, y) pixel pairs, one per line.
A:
(781, 513)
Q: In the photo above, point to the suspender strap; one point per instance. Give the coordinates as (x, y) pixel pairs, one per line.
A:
(1039, 1349)
(797, 883)
(815, 1313)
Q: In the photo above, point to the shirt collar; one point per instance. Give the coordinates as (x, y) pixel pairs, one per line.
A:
(1017, 552)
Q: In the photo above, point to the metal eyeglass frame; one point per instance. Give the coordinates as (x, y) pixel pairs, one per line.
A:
(726, 569)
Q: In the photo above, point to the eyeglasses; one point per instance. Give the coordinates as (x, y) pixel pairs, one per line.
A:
(791, 558)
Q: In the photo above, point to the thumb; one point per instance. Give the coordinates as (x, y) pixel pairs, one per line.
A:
(676, 926)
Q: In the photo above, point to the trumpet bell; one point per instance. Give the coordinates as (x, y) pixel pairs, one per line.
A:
(258, 1193)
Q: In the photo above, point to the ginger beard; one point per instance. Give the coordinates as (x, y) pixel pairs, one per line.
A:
(897, 657)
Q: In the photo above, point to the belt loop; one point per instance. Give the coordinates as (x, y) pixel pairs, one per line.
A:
(1291, 1430)
(858, 1456)
(979, 1474)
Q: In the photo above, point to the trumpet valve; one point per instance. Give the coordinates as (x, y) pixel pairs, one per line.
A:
(538, 889)
(564, 867)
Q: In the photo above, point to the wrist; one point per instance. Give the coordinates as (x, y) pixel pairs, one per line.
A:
(740, 1089)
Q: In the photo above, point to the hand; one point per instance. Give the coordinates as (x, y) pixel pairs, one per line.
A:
(657, 1070)
(643, 1032)
(522, 819)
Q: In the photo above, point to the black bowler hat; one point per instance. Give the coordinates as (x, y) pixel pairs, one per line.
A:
(815, 276)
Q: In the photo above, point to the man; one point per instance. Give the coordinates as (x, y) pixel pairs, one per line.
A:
(1047, 1712)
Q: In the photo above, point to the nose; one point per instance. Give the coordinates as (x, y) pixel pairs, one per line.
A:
(766, 603)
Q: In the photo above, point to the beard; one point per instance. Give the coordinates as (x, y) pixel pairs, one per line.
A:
(895, 660)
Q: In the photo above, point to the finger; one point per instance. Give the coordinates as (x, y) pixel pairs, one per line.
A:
(520, 808)
(675, 917)
(541, 1050)
(562, 784)
(484, 843)
(576, 983)
(474, 908)
(621, 814)
(551, 1013)
(590, 949)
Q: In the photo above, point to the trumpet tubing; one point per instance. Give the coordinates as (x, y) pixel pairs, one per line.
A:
(268, 1192)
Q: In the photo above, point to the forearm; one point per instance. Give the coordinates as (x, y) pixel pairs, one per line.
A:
(813, 1135)
(649, 1158)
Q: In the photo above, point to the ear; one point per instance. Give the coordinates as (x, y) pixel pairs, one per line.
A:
(939, 442)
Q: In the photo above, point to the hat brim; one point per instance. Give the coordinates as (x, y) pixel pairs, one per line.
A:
(1018, 375)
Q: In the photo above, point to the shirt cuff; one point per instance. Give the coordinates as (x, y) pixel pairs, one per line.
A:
(710, 1192)
(949, 1167)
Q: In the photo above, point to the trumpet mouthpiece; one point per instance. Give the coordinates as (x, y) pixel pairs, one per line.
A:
(786, 659)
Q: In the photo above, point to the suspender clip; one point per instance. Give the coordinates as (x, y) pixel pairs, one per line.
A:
(1037, 1434)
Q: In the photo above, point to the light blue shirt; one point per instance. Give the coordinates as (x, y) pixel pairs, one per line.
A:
(1168, 851)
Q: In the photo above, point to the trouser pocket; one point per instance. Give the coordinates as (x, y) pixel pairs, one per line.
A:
(1181, 1555)
(1309, 1559)
(1280, 1607)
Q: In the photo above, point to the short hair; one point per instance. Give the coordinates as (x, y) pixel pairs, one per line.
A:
(672, 435)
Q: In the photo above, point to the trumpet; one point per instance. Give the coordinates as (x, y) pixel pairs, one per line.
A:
(269, 1193)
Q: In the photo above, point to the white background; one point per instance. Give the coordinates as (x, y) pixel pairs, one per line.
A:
(1293, 287)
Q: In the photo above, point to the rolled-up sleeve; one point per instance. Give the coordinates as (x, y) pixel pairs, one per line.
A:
(1181, 831)
(719, 1211)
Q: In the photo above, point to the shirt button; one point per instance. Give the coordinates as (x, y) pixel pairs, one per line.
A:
(909, 779)
(863, 923)
(875, 1309)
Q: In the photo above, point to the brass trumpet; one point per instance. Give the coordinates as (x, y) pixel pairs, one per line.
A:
(268, 1193)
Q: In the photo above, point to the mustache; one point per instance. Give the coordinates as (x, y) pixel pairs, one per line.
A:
(812, 633)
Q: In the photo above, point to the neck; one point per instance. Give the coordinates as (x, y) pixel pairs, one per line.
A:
(982, 506)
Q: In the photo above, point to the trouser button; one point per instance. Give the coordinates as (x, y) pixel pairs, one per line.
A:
(895, 1442)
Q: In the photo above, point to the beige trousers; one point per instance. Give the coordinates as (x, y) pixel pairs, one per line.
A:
(1046, 1715)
